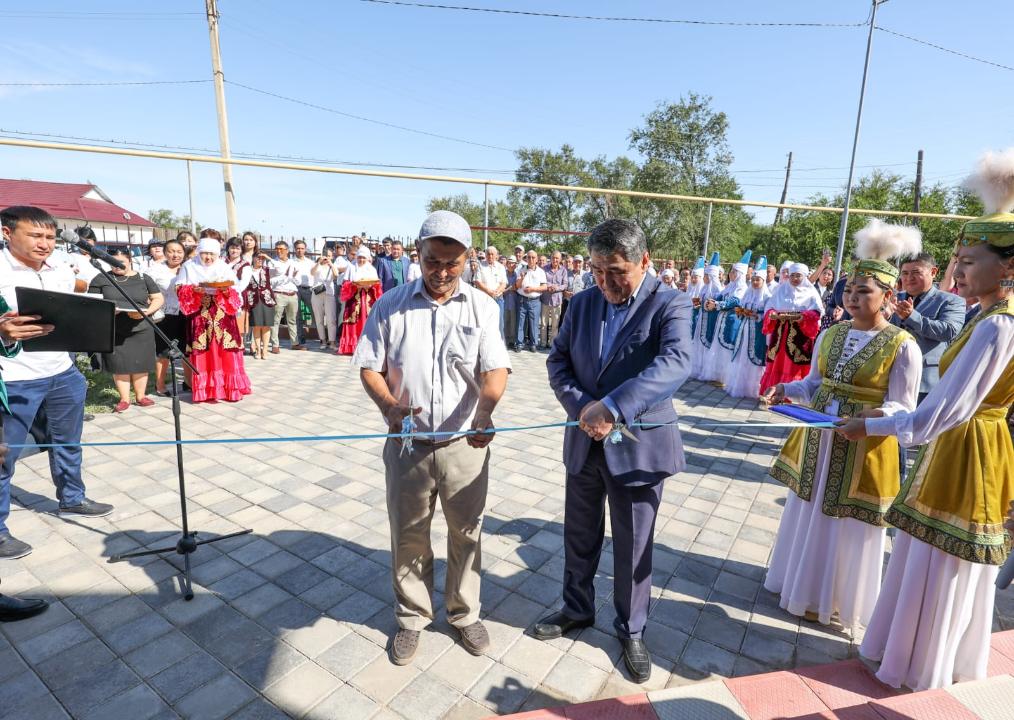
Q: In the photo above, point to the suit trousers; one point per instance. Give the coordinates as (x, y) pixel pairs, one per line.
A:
(550, 324)
(286, 306)
(459, 475)
(632, 514)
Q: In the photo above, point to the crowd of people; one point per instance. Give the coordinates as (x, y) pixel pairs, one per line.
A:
(890, 359)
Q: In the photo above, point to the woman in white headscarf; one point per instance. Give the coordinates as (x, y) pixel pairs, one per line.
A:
(792, 321)
(208, 298)
(727, 329)
(702, 367)
(359, 291)
(749, 355)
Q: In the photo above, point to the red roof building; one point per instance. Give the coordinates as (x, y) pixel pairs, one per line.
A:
(74, 204)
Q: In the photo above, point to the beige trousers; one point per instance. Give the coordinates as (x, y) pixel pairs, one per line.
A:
(550, 324)
(458, 475)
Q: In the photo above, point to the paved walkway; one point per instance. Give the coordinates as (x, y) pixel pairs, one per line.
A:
(293, 619)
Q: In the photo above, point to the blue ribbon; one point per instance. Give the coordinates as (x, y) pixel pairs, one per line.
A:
(615, 436)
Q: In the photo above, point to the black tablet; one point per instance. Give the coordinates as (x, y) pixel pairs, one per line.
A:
(82, 323)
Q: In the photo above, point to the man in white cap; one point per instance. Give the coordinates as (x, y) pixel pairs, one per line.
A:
(519, 256)
(431, 351)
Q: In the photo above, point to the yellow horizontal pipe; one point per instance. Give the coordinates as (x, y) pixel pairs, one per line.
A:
(38, 144)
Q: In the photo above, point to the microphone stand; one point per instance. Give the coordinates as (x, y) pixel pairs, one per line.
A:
(188, 542)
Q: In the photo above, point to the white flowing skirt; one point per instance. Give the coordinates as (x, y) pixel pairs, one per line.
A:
(932, 624)
(824, 565)
(743, 377)
(718, 363)
(700, 354)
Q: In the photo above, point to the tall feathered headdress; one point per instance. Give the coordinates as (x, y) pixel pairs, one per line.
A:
(993, 182)
(878, 243)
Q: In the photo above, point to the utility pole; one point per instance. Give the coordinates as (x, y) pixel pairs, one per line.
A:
(918, 186)
(843, 228)
(707, 231)
(785, 193)
(485, 220)
(211, 6)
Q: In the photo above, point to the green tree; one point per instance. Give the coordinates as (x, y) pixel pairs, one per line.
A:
(165, 218)
(511, 212)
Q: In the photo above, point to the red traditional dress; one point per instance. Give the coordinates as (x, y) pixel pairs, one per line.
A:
(792, 322)
(209, 300)
(357, 303)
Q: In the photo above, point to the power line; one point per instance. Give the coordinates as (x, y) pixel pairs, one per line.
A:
(249, 155)
(946, 50)
(846, 167)
(606, 18)
(366, 119)
(101, 84)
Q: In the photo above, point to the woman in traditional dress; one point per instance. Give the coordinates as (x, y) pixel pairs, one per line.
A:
(707, 321)
(829, 551)
(748, 357)
(259, 297)
(359, 291)
(729, 321)
(208, 297)
(932, 623)
(694, 287)
(791, 321)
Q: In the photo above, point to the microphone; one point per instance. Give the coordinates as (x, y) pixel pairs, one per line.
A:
(91, 250)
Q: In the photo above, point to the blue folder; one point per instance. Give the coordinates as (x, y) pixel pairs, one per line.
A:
(805, 414)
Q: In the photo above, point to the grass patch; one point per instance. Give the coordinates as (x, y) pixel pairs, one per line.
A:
(102, 396)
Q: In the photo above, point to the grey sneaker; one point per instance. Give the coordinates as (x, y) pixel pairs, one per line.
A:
(87, 508)
(474, 638)
(11, 548)
(404, 646)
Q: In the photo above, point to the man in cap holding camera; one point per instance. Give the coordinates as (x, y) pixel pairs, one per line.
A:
(431, 352)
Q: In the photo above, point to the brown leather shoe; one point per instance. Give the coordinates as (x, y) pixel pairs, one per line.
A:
(298, 347)
(404, 646)
(275, 351)
(474, 638)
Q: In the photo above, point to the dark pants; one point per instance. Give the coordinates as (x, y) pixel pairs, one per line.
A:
(632, 512)
(62, 398)
(305, 298)
(529, 312)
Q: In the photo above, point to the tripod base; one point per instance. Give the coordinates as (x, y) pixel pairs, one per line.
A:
(186, 545)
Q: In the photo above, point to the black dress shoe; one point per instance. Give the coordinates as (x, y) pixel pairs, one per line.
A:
(12, 608)
(87, 508)
(557, 625)
(11, 548)
(637, 659)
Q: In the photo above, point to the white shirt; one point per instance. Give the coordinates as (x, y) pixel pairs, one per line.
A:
(978, 366)
(243, 276)
(283, 276)
(432, 355)
(492, 275)
(322, 274)
(532, 278)
(414, 272)
(84, 268)
(166, 280)
(304, 270)
(33, 365)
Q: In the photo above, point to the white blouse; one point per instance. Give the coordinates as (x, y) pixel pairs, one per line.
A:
(902, 384)
(243, 277)
(961, 390)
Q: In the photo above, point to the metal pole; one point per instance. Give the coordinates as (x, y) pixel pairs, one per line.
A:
(707, 232)
(918, 185)
(485, 221)
(223, 121)
(190, 195)
(843, 228)
(785, 193)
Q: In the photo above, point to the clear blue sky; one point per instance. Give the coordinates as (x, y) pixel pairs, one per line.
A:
(500, 80)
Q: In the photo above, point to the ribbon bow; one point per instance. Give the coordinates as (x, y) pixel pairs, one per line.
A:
(619, 432)
(408, 427)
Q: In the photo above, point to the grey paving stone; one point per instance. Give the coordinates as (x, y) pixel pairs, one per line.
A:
(51, 642)
(100, 685)
(327, 594)
(707, 658)
(70, 665)
(269, 665)
(138, 703)
(186, 675)
(241, 643)
(502, 689)
(767, 650)
(259, 709)
(260, 600)
(301, 578)
(21, 691)
(288, 615)
(357, 608)
(137, 632)
(157, 655)
(45, 707)
(302, 688)
(218, 699)
(345, 703)
(424, 698)
(348, 656)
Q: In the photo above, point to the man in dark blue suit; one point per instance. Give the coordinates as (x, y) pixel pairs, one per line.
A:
(622, 353)
(393, 269)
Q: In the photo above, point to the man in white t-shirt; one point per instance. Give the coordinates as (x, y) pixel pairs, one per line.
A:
(284, 281)
(304, 265)
(531, 283)
(492, 279)
(40, 382)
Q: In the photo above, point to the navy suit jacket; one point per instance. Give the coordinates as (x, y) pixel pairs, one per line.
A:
(936, 322)
(386, 273)
(647, 364)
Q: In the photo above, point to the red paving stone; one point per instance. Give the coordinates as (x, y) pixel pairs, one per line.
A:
(1003, 642)
(844, 684)
(926, 705)
(556, 713)
(631, 707)
(999, 664)
(776, 695)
